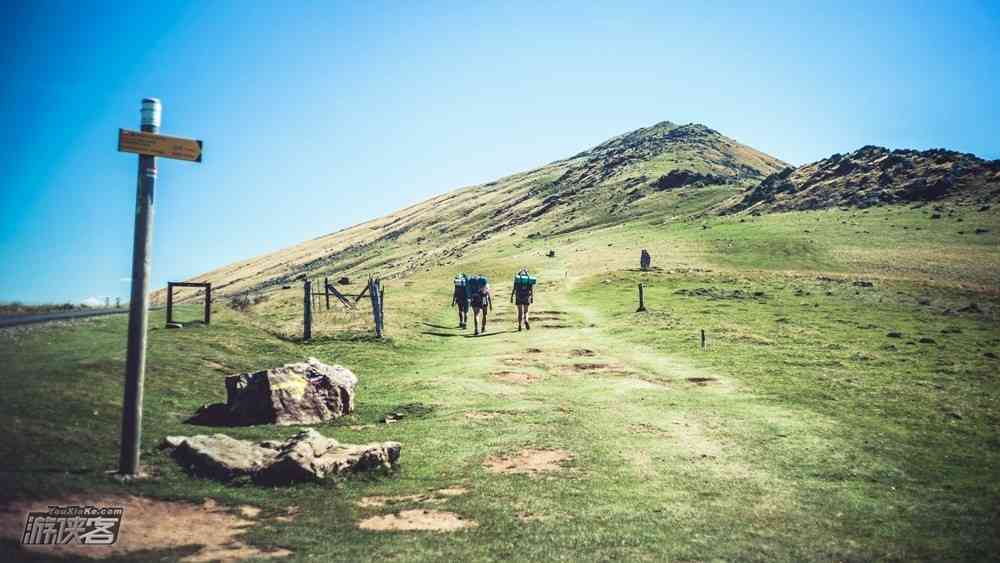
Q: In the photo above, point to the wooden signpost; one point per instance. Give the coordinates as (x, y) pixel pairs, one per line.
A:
(140, 142)
(148, 144)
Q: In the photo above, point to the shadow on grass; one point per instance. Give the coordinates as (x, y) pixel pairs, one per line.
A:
(11, 550)
(470, 335)
(439, 326)
(489, 333)
(79, 471)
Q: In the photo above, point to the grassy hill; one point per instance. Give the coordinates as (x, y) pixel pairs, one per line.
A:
(845, 408)
(612, 183)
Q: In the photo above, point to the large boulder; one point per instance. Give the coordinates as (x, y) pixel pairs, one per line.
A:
(307, 392)
(306, 456)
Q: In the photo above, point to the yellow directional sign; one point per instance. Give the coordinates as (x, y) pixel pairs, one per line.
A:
(159, 145)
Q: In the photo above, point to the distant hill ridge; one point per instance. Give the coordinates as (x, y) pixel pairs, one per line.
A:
(875, 175)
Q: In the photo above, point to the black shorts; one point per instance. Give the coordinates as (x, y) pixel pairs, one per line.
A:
(478, 301)
(463, 304)
(522, 300)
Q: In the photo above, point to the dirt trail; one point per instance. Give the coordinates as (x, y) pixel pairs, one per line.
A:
(609, 385)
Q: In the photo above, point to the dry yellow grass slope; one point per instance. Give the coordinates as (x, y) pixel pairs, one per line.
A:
(610, 183)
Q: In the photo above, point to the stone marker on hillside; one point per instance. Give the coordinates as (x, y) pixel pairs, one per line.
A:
(307, 392)
(307, 456)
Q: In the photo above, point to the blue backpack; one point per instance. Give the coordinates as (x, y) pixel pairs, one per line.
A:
(476, 284)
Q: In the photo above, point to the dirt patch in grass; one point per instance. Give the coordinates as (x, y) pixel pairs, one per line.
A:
(529, 461)
(582, 352)
(516, 377)
(291, 512)
(217, 366)
(478, 415)
(534, 350)
(249, 511)
(417, 519)
(530, 516)
(150, 524)
(451, 491)
(556, 326)
(438, 496)
(380, 501)
(643, 428)
(590, 367)
(701, 380)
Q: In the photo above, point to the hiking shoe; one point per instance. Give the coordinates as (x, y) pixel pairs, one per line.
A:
(526, 325)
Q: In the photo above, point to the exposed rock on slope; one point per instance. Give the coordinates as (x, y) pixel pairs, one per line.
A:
(875, 175)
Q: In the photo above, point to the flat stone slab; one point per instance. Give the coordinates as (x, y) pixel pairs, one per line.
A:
(306, 456)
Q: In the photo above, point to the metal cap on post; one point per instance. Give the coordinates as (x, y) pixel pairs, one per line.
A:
(151, 113)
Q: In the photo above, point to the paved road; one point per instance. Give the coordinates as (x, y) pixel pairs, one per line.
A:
(16, 320)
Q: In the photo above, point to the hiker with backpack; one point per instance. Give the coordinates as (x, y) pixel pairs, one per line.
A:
(479, 296)
(524, 292)
(460, 298)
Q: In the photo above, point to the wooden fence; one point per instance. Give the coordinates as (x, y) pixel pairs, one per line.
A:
(313, 299)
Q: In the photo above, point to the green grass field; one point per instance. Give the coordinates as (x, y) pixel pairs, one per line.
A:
(845, 407)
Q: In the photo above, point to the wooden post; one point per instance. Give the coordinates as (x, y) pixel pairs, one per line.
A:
(373, 292)
(208, 304)
(170, 302)
(642, 300)
(702, 339)
(326, 290)
(307, 316)
(381, 306)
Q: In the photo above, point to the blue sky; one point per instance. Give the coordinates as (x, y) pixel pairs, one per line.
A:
(317, 116)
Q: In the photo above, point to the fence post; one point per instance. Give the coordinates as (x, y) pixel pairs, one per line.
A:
(326, 290)
(702, 339)
(208, 304)
(381, 306)
(373, 293)
(307, 317)
(170, 302)
(642, 300)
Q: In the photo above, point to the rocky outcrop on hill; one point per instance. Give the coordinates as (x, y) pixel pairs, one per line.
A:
(693, 144)
(307, 456)
(683, 178)
(873, 176)
(307, 392)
